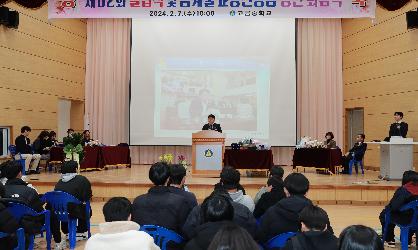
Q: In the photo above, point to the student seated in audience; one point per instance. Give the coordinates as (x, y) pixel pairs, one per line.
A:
(356, 152)
(242, 216)
(3, 178)
(329, 140)
(18, 189)
(273, 195)
(176, 184)
(230, 178)
(24, 148)
(233, 237)
(359, 237)
(315, 235)
(217, 212)
(7, 224)
(79, 187)
(275, 171)
(284, 215)
(118, 232)
(41, 145)
(160, 206)
(406, 193)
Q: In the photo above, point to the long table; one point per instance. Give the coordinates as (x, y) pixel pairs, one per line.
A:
(318, 158)
(97, 158)
(248, 159)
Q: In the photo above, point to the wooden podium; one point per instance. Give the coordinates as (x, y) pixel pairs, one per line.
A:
(208, 149)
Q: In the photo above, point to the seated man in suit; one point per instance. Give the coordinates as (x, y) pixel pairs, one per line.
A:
(211, 125)
(399, 128)
(357, 152)
(24, 148)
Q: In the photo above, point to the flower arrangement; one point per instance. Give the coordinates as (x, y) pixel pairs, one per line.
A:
(182, 161)
(166, 158)
(73, 146)
(308, 142)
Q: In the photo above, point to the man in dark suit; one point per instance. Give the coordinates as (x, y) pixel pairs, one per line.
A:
(357, 152)
(211, 125)
(399, 128)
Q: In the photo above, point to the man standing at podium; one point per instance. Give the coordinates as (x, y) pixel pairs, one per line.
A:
(399, 128)
(211, 125)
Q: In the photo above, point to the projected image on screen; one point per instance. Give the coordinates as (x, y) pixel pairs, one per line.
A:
(187, 91)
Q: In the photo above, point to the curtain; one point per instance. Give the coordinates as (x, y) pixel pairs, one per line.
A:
(107, 79)
(319, 76)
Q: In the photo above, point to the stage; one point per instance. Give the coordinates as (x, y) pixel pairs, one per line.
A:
(325, 189)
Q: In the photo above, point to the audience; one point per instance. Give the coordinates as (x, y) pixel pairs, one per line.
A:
(315, 235)
(406, 193)
(275, 171)
(176, 184)
(233, 237)
(7, 224)
(217, 212)
(118, 232)
(41, 145)
(24, 148)
(160, 206)
(79, 187)
(284, 215)
(275, 193)
(359, 237)
(230, 178)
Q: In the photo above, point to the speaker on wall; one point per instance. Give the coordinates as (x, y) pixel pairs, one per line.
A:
(4, 15)
(13, 20)
(412, 19)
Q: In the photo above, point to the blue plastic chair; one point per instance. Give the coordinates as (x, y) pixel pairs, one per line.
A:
(18, 210)
(413, 225)
(279, 240)
(161, 235)
(12, 150)
(58, 201)
(355, 162)
(20, 233)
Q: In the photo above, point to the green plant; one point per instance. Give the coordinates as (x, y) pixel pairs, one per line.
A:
(73, 144)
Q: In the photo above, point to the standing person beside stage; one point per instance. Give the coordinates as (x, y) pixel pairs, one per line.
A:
(211, 125)
(329, 142)
(356, 152)
(399, 127)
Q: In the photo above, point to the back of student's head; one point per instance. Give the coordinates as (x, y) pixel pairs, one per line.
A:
(159, 173)
(69, 167)
(233, 237)
(2, 169)
(314, 218)
(296, 184)
(177, 173)
(12, 169)
(359, 237)
(230, 178)
(409, 176)
(277, 171)
(217, 208)
(275, 183)
(117, 209)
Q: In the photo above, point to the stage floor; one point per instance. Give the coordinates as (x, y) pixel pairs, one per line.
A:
(326, 189)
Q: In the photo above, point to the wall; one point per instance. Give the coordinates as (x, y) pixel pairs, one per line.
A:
(40, 62)
(380, 73)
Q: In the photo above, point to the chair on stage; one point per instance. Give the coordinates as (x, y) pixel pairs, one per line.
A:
(20, 233)
(413, 225)
(12, 150)
(58, 201)
(279, 240)
(19, 210)
(162, 235)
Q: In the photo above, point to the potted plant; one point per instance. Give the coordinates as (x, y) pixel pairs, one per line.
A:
(73, 148)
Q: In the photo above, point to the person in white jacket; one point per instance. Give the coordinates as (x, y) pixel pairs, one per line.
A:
(118, 232)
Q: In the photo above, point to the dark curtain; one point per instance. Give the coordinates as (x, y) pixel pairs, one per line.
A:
(392, 5)
(32, 4)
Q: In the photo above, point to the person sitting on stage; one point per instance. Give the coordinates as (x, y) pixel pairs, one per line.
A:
(356, 152)
(399, 127)
(217, 212)
(160, 206)
(211, 125)
(270, 198)
(406, 193)
(329, 142)
(275, 171)
(360, 237)
(24, 148)
(79, 187)
(52, 139)
(41, 145)
(242, 216)
(230, 178)
(284, 215)
(118, 232)
(315, 235)
(86, 137)
(176, 184)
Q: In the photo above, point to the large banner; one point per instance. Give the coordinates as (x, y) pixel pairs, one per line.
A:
(211, 8)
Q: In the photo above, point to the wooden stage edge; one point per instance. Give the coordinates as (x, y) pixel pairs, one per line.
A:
(327, 190)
